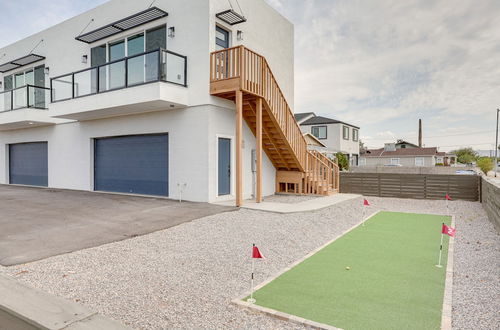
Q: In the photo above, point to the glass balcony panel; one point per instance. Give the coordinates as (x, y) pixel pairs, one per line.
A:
(20, 98)
(62, 88)
(173, 68)
(112, 76)
(38, 97)
(6, 101)
(85, 83)
(136, 70)
(152, 63)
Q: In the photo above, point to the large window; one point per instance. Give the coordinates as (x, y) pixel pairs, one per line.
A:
(345, 132)
(151, 39)
(221, 38)
(355, 134)
(319, 132)
(34, 77)
(419, 161)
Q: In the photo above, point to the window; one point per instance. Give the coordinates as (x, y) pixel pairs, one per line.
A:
(148, 40)
(34, 77)
(221, 38)
(345, 130)
(419, 161)
(394, 161)
(319, 132)
(355, 135)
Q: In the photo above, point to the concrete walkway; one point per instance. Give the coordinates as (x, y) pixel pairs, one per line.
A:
(285, 208)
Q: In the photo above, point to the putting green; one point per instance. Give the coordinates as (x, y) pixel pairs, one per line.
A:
(392, 283)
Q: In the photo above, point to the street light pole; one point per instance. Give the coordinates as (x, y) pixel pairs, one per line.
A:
(496, 146)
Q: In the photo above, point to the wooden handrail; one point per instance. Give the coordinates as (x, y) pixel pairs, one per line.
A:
(257, 78)
(252, 73)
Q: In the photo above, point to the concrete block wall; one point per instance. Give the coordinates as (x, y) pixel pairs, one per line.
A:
(490, 198)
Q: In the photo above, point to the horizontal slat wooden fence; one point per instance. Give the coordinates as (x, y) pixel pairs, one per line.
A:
(418, 186)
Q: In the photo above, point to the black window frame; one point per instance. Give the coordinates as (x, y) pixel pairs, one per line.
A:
(346, 137)
(321, 126)
(355, 130)
(227, 33)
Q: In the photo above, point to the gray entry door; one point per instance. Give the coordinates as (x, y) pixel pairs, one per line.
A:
(28, 164)
(224, 174)
(132, 164)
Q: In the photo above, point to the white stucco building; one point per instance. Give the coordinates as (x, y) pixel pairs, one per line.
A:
(337, 136)
(129, 106)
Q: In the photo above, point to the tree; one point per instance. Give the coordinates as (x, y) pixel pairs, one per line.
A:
(342, 161)
(485, 164)
(466, 155)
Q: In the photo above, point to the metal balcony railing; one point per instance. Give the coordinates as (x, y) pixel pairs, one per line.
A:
(27, 96)
(140, 69)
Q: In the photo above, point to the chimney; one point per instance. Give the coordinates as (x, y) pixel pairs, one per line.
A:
(420, 133)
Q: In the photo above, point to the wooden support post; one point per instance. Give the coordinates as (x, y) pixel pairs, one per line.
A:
(239, 145)
(258, 195)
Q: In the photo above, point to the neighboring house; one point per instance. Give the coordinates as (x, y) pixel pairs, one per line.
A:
(147, 100)
(404, 153)
(337, 136)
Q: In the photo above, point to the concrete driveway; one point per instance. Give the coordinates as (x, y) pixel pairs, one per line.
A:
(38, 223)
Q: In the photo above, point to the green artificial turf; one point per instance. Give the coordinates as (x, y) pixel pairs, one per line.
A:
(392, 282)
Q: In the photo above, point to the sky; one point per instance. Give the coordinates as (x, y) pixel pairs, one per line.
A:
(377, 64)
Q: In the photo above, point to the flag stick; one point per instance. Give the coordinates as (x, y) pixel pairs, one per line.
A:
(440, 250)
(251, 299)
(363, 220)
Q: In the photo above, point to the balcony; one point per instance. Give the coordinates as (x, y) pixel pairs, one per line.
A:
(147, 82)
(25, 107)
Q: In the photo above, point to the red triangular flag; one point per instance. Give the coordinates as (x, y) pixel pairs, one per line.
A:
(448, 198)
(448, 230)
(366, 202)
(256, 253)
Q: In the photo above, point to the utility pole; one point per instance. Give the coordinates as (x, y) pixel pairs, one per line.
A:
(496, 146)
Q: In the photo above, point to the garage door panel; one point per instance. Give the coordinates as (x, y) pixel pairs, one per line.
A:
(28, 164)
(132, 164)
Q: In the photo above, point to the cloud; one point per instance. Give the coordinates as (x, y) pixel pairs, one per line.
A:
(384, 64)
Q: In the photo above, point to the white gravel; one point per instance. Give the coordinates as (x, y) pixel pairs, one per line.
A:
(186, 276)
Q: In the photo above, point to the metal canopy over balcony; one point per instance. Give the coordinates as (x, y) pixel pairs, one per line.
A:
(124, 24)
(231, 17)
(25, 60)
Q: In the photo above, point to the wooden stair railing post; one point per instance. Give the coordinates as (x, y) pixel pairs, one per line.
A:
(258, 197)
(239, 151)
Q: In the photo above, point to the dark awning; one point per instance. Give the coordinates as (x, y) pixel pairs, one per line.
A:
(124, 24)
(25, 60)
(231, 17)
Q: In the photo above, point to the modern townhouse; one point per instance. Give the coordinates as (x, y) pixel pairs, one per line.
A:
(337, 136)
(175, 97)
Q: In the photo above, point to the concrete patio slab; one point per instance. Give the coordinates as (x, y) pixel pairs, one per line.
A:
(37, 223)
(284, 208)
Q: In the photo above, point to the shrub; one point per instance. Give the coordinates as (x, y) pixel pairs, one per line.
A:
(342, 161)
(439, 164)
(485, 164)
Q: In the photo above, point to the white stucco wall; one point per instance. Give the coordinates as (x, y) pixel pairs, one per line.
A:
(193, 130)
(335, 140)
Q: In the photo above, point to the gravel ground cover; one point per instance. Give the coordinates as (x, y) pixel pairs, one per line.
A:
(186, 276)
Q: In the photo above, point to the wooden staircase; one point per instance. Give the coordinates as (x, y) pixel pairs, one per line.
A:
(240, 71)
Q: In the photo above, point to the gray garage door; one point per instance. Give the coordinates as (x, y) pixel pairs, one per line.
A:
(28, 164)
(132, 164)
